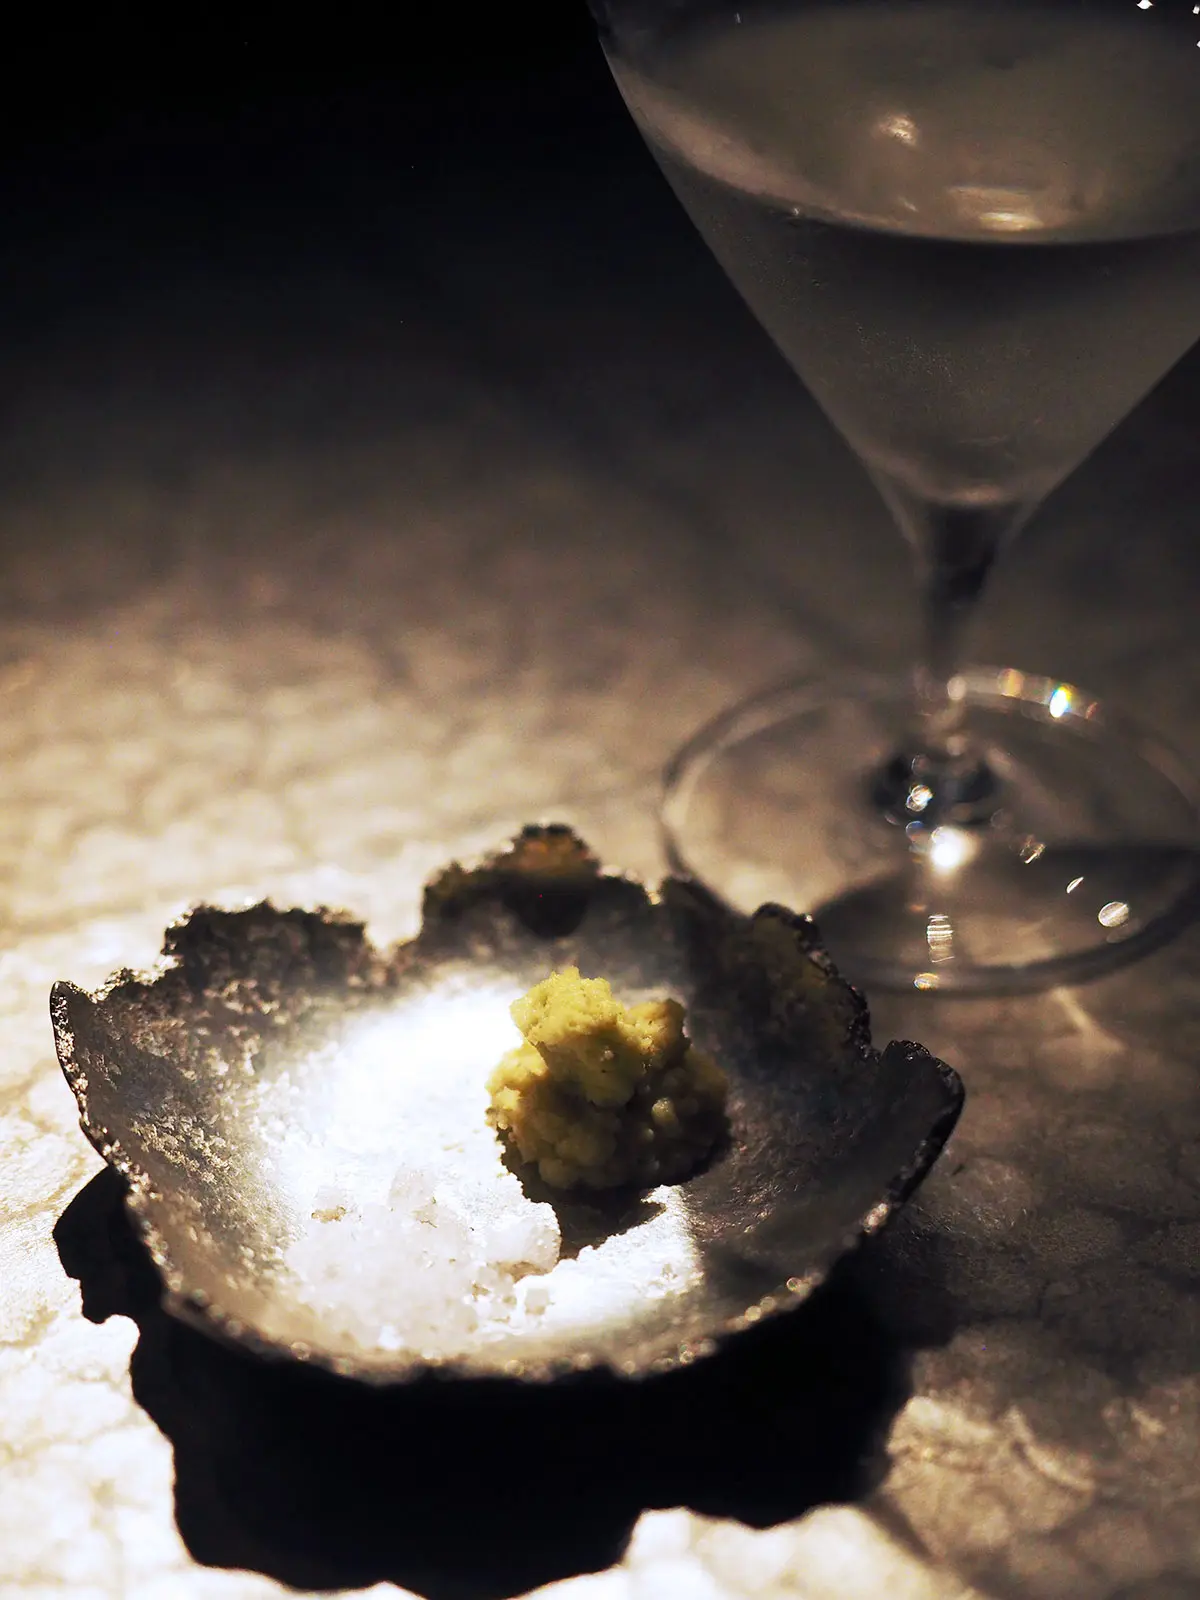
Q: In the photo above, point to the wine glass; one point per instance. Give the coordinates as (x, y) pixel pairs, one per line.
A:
(973, 228)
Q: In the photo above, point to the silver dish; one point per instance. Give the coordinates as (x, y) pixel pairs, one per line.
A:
(211, 1083)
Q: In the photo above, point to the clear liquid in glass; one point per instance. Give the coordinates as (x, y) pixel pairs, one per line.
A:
(973, 230)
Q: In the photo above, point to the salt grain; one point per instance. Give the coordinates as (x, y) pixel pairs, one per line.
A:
(418, 1272)
(409, 1236)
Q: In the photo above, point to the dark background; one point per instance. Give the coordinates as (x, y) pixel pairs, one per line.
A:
(183, 134)
(192, 205)
(233, 233)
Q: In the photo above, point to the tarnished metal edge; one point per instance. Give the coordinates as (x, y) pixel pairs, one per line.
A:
(202, 1312)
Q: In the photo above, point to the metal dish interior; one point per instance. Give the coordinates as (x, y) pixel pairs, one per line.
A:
(220, 1083)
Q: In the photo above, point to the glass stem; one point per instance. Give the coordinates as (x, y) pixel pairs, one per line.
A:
(937, 775)
(954, 557)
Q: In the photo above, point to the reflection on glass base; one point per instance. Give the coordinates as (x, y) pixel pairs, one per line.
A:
(1090, 857)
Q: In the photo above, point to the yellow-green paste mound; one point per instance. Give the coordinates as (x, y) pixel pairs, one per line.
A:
(601, 1094)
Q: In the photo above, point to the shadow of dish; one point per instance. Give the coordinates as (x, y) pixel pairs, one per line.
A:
(483, 1489)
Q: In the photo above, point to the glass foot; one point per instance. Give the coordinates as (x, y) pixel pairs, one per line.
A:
(1089, 856)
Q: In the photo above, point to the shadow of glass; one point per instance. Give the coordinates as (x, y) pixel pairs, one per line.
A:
(1059, 1238)
(475, 1491)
